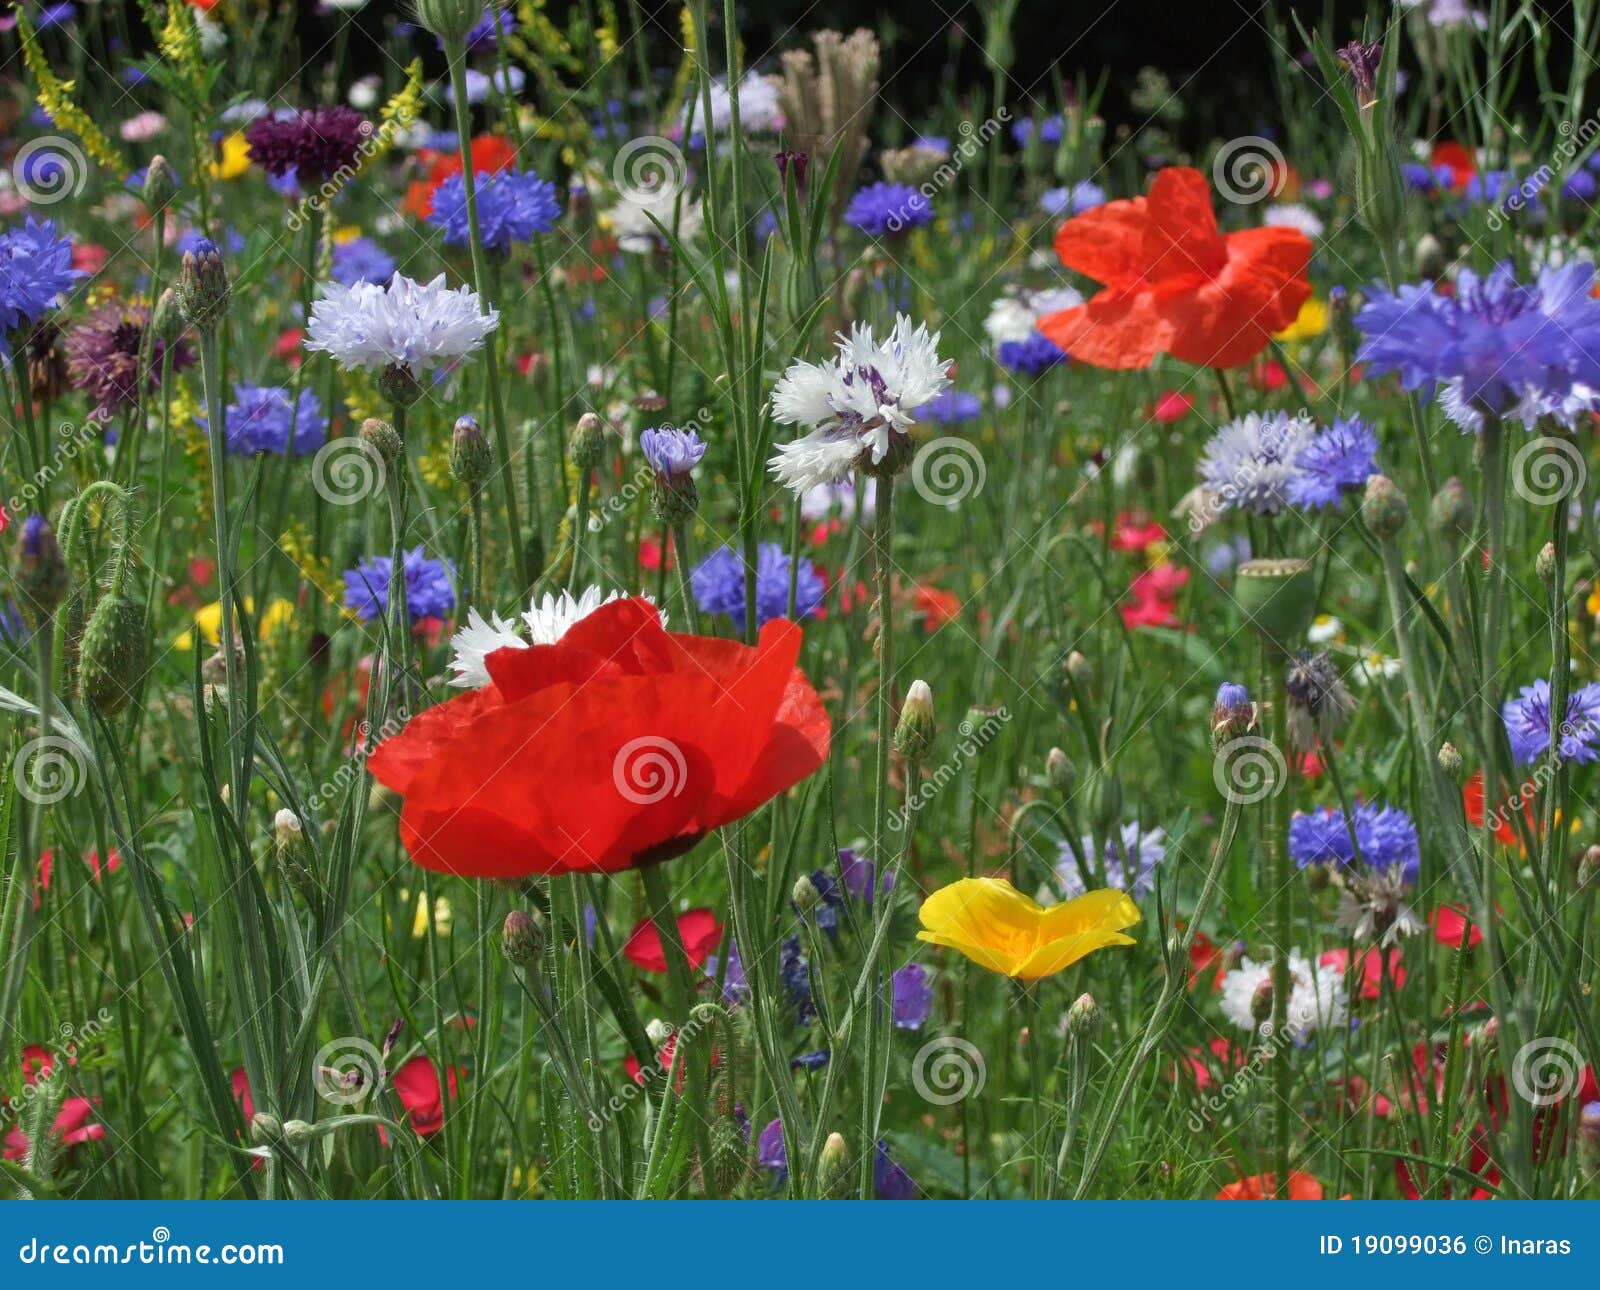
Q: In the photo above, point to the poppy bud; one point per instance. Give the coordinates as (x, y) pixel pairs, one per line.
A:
(203, 285)
(449, 20)
(1384, 508)
(588, 442)
(470, 457)
(522, 938)
(41, 572)
(286, 831)
(383, 438)
(1544, 564)
(657, 1031)
(730, 1154)
(1486, 1038)
(1079, 668)
(1060, 771)
(1450, 760)
(114, 654)
(833, 1167)
(1589, 868)
(160, 183)
(398, 385)
(1450, 511)
(1431, 260)
(913, 737)
(299, 1132)
(265, 1128)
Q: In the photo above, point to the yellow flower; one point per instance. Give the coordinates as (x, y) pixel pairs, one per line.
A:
(235, 158)
(999, 928)
(1311, 321)
(208, 618)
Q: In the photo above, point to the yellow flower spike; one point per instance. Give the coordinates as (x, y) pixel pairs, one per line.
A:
(999, 928)
(1312, 320)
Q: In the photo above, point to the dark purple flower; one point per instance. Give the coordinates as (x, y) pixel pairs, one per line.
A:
(103, 355)
(1363, 61)
(858, 875)
(912, 996)
(316, 143)
(889, 1180)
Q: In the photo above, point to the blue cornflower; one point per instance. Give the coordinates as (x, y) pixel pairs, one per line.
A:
(810, 1061)
(1427, 179)
(1128, 861)
(1494, 346)
(194, 240)
(512, 207)
(1580, 186)
(1251, 464)
(1385, 834)
(735, 988)
(718, 584)
(950, 408)
(796, 978)
(361, 260)
(484, 33)
(1527, 721)
(1049, 130)
(428, 590)
(1337, 460)
(882, 210)
(1072, 200)
(889, 1180)
(55, 15)
(770, 1153)
(911, 997)
(35, 272)
(1230, 694)
(266, 418)
(859, 874)
(671, 453)
(1031, 357)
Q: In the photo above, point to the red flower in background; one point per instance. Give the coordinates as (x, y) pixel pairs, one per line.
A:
(490, 153)
(619, 745)
(1302, 1186)
(698, 929)
(1172, 406)
(1173, 284)
(1154, 595)
(1458, 158)
(1450, 923)
(1370, 967)
(936, 606)
(72, 1124)
(417, 1085)
(1504, 833)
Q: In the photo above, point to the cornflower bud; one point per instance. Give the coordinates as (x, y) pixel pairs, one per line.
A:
(913, 736)
(470, 457)
(203, 285)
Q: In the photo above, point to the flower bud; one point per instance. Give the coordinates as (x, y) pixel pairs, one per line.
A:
(1261, 1002)
(1083, 1017)
(470, 457)
(203, 285)
(1450, 511)
(1430, 258)
(114, 655)
(286, 831)
(913, 737)
(833, 1167)
(1079, 668)
(657, 1032)
(1060, 771)
(588, 442)
(449, 20)
(160, 184)
(1589, 1131)
(1384, 508)
(385, 440)
(1450, 760)
(298, 1132)
(1232, 715)
(265, 1128)
(1589, 868)
(42, 579)
(522, 938)
(1544, 564)
(805, 895)
(166, 320)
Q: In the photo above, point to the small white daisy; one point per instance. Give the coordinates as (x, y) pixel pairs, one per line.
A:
(1294, 215)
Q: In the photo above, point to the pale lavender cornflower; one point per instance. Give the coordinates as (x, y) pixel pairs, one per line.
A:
(1128, 863)
(1251, 464)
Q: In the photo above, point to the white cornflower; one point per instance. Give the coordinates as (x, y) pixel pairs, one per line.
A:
(1316, 999)
(1294, 215)
(419, 326)
(1015, 315)
(547, 621)
(635, 229)
(855, 404)
(759, 112)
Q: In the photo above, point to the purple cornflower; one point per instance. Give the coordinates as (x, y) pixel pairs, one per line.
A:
(889, 1180)
(1048, 130)
(1251, 463)
(103, 355)
(265, 418)
(35, 272)
(911, 997)
(671, 453)
(1031, 357)
(361, 260)
(1128, 862)
(512, 207)
(486, 32)
(829, 901)
(1494, 347)
(859, 875)
(1527, 721)
(883, 210)
(770, 1153)
(1427, 179)
(316, 143)
(718, 584)
(735, 988)
(428, 590)
(950, 408)
(1385, 835)
(1336, 461)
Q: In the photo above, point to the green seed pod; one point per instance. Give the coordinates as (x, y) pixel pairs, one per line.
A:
(160, 183)
(1384, 508)
(1279, 597)
(398, 385)
(115, 654)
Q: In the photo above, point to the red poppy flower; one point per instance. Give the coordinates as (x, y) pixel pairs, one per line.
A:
(1458, 159)
(490, 152)
(1450, 923)
(1136, 532)
(1173, 283)
(937, 606)
(619, 745)
(1370, 966)
(1302, 1186)
(241, 1094)
(1172, 406)
(72, 1123)
(1504, 833)
(417, 1085)
(698, 929)
(630, 1063)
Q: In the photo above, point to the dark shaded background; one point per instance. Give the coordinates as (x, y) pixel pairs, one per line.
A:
(1219, 50)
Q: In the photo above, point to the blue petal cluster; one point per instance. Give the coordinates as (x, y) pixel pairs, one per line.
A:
(267, 418)
(512, 207)
(1385, 834)
(429, 593)
(1337, 461)
(1030, 357)
(35, 271)
(884, 210)
(718, 585)
(671, 453)
(362, 260)
(1527, 722)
